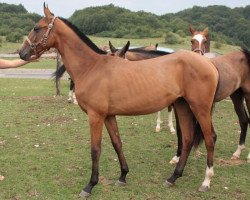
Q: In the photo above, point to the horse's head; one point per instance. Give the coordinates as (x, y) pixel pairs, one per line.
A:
(118, 52)
(200, 42)
(40, 38)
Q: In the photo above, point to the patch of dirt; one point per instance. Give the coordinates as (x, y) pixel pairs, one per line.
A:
(230, 162)
(105, 181)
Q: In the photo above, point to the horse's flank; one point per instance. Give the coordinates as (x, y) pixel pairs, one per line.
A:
(236, 66)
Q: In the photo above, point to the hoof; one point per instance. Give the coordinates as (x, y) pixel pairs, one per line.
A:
(234, 157)
(120, 183)
(173, 162)
(168, 184)
(84, 194)
(203, 188)
(157, 129)
(69, 101)
(172, 132)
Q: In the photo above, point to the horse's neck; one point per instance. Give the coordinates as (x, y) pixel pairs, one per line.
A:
(77, 56)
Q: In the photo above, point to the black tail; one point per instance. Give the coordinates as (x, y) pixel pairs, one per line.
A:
(59, 72)
(198, 134)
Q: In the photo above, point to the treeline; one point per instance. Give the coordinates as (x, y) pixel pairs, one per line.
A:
(15, 22)
(226, 25)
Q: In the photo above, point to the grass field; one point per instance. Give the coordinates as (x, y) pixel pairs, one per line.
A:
(45, 152)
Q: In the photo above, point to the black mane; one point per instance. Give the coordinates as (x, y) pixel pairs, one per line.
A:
(83, 37)
(151, 52)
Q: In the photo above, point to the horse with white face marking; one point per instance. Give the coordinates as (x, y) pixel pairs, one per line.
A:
(200, 41)
(234, 75)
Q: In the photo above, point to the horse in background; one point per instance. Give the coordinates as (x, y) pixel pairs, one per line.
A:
(201, 44)
(200, 41)
(107, 86)
(230, 70)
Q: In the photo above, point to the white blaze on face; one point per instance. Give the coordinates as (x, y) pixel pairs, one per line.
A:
(199, 38)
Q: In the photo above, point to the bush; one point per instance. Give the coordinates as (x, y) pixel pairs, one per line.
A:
(172, 38)
(217, 45)
(14, 37)
(181, 33)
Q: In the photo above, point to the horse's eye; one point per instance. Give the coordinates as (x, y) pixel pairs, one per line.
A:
(36, 29)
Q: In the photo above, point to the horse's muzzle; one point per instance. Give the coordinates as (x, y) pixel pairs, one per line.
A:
(25, 55)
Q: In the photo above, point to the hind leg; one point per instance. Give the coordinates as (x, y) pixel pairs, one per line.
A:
(158, 122)
(209, 142)
(71, 91)
(247, 99)
(237, 98)
(176, 158)
(111, 125)
(204, 119)
(185, 117)
(170, 120)
(74, 95)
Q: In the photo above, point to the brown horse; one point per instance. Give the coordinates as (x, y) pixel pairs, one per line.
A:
(234, 73)
(107, 86)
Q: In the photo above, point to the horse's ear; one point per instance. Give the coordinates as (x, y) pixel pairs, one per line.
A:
(191, 29)
(205, 31)
(156, 45)
(124, 49)
(47, 12)
(112, 48)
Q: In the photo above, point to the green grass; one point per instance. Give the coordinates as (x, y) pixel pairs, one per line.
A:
(60, 166)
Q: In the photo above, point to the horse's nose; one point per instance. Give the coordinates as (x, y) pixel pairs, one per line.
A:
(22, 56)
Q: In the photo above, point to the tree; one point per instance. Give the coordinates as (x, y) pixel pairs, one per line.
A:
(15, 37)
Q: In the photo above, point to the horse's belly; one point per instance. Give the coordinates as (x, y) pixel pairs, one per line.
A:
(141, 104)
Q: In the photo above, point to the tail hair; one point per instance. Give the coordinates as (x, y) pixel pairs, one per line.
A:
(59, 72)
(198, 134)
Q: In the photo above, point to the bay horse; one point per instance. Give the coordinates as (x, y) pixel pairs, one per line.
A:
(107, 86)
(233, 74)
(140, 54)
